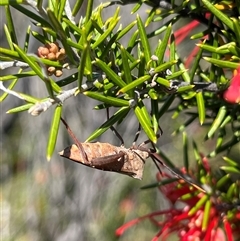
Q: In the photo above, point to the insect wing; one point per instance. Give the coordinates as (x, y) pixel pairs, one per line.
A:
(119, 162)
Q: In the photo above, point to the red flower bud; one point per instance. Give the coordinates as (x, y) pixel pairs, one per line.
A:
(232, 93)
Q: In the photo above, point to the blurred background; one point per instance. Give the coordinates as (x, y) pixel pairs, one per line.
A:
(62, 200)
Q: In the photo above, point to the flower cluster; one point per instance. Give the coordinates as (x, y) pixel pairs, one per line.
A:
(52, 51)
(194, 215)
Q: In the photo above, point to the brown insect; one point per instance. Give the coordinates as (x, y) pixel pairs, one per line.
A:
(107, 157)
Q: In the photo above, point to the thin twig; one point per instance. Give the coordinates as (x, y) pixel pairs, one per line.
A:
(10, 64)
(11, 92)
(40, 107)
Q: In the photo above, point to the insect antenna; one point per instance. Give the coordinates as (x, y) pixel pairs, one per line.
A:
(156, 158)
(77, 142)
(155, 162)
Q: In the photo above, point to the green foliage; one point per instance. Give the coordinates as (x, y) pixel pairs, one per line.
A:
(126, 76)
(134, 76)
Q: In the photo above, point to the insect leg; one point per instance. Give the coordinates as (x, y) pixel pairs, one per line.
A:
(140, 147)
(148, 141)
(115, 132)
(137, 134)
(77, 142)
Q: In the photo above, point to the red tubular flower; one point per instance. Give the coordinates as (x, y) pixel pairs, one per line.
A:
(232, 93)
(182, 34)
(203, 216)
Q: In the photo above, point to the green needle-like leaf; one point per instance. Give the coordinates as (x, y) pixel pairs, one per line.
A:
(73, 26)
(155, 118)
(144, 40)
(185, 88)
(118, 116)
(198, 205)
(89, 10)
(232, 190)
(220, 138)
(206, 215)
(53, 132)
(153, 94)
(195, 65)
(61, 33)
(176, 74)
(150, 16)
(8, 36)
(10, 53)
(27, 37)
(29, 98)
(213, 49)
(8, 2)
(164, 82)
(126, 30)
(223, 181)
(172, 50)
(81, 66)
(39, 4)
(137, 6)
(110, 73)
(142, 64)
(106, 33)
(165, 66)
(230, 169)
(223, 17)
(201, 107)
(162, 46)
(132, 41)
(33, 65)
(20, 108)
(134, 84)
(126, 67)
(185, 151)
(61, 7)
(77, 6)
(32, 15)
(231, 162)
(10, 25)
(144, 120)
(107, 99)
(217, 122)
(236, 28)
